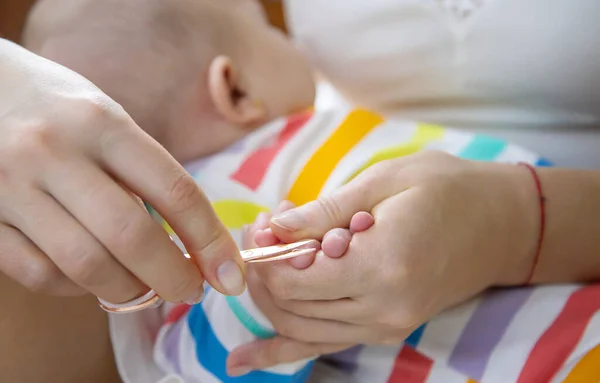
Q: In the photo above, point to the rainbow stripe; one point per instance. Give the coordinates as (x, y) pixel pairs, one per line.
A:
(309, 183)
(215, 360)
(424, 134)
(560, 339)
(483, 148)
(587, 369)
(410, 367)
(485, 329)
(253, 170)
(247, 320)
(234, 214)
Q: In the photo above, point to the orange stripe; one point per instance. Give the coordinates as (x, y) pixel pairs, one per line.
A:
(587, 369)
(309, 183)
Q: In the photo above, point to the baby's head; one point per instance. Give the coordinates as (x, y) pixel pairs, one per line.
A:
(197, 75)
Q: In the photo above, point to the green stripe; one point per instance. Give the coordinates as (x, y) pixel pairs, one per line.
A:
(483, 148)
(247, 320)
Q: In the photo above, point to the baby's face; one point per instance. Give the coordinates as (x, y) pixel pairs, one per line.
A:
(273, 72)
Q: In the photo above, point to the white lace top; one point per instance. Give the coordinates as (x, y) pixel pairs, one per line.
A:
(460, 9)
(509, 67)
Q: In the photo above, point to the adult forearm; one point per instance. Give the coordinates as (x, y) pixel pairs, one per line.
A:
(571, 247)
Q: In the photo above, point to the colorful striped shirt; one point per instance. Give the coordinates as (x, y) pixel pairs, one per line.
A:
(524, 335)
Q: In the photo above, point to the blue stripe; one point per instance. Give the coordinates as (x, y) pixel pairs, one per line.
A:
(542, 162)
(414, 338)
(212, 355)
(483, 148)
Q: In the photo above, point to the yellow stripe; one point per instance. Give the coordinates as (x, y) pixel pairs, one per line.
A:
(423, 135)
(309, 183)
(587, 369)
(167, 227)
(234, 214)
(471, 381)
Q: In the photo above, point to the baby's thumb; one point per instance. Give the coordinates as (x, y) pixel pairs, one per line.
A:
(316, 218)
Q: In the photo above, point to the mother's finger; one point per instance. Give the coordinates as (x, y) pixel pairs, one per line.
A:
(125, 229)
(72, 248)
(266, 353)
(316, 218)
(327, 278)
(150, 172)
(25, 263)
(341, 310)
(306, 329)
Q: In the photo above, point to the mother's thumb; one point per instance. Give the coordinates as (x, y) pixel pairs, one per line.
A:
(316, 218)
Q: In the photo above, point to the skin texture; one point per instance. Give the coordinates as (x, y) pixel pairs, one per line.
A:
(445, 229)
(71, 220)
(13, 14)
(221, 90)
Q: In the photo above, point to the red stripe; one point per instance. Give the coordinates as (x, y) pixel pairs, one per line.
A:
(410, 367)
(253, 170)
(558, 342)
(176, 313)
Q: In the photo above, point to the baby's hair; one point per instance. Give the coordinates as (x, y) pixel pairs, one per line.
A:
(140, 52)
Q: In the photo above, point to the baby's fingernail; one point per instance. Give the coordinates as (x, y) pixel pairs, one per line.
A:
(239, 370)
(289, 220)
(231, 278)
(196, 299)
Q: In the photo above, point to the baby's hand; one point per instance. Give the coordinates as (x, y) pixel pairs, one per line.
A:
(334, 243)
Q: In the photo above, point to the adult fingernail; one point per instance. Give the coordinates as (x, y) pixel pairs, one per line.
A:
(231, 278)
(196, 299)
(289, 220)
(245, 229)
(239, 370)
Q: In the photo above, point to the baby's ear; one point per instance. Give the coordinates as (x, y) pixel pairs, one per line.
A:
(230, 98)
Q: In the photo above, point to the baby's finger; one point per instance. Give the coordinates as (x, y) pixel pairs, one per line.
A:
(248, 232)
(302, 262)
(265, 238)
(336, 242)
(361, 221)
(261, 221)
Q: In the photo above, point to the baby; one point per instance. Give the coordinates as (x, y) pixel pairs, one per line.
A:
(214, 83)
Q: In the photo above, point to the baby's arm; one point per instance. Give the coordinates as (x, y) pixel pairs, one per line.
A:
(334, 243)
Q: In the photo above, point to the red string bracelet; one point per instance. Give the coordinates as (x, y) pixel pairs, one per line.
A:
(542, 203)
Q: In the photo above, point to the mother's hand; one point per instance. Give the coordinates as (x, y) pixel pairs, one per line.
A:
(72, 164)
(445, 229)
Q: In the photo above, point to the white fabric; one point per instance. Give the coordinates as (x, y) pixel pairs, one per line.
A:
(529, 70)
